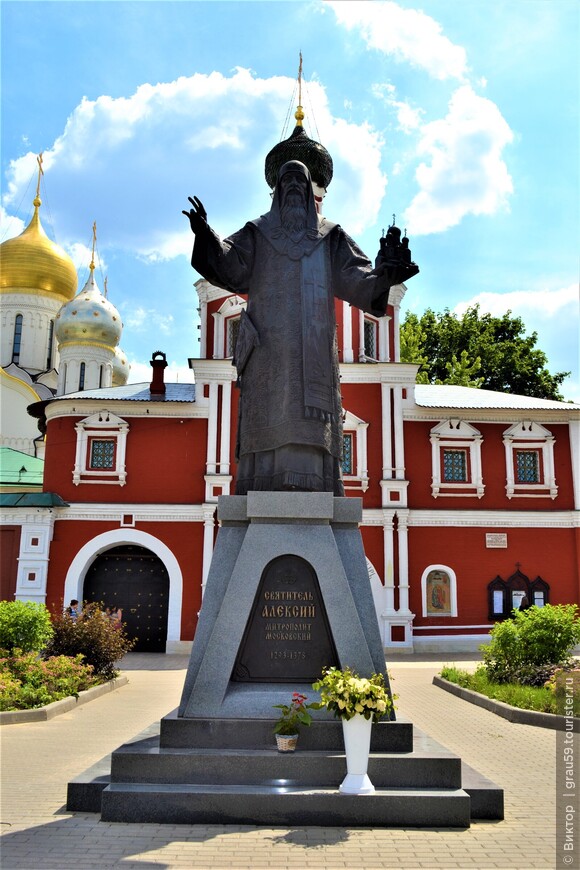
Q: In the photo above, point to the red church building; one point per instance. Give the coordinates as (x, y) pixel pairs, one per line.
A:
(471, 498)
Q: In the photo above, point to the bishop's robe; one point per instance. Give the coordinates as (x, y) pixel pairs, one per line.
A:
(290, 417)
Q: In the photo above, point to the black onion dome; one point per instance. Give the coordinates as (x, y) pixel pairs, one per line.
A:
(299, 146)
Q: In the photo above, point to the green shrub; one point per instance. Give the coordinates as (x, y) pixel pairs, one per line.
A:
(533, 638)
(536, 698)
(91, 634)
(27, 681)
(24, 625)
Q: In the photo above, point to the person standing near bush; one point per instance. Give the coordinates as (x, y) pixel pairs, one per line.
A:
(73, 610)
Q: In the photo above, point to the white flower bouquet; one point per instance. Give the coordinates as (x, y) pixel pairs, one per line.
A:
(346, 694)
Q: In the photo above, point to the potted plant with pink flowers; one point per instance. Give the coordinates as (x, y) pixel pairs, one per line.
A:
(293, 716)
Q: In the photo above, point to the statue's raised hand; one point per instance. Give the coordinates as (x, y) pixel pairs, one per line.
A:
(197, 215)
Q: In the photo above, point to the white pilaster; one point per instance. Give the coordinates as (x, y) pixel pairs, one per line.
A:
(212, 428)
(403, 542)
(225, 434)
(398, 430)
(387, 441)
(347, 351)
(208, 537)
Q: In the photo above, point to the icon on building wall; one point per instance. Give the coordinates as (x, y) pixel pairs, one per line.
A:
(438, 593)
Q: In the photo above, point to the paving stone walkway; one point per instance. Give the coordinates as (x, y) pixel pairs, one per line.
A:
(38, 759)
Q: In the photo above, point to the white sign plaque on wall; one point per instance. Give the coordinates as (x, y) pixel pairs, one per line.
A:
(495, 540)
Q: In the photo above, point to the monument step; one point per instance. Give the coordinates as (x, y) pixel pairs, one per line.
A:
(146, 761)
(176, 732)
(275, 806)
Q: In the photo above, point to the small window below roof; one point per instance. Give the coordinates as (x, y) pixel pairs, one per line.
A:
(101, 448)
(456, 459)
(529, 456)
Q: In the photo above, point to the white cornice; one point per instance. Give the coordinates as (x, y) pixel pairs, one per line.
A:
(413, 413)
(85, 407)
(496, 519)
(31, 301)
(400, 374)
(208, 293)
(141, 513)
(212, 370)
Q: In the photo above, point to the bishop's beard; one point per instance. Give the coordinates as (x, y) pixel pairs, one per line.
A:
(293, 213)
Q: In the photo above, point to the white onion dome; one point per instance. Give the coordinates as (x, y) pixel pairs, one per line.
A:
(89, 318)
(120, 368)
(32, 263)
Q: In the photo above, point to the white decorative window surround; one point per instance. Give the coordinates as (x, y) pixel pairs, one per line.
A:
(355, 434)
(456, 459)
(101, 447)
(529, 459)
(439, 591)
(224, 330)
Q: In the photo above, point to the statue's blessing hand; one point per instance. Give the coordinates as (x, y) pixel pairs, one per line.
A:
(197, 215)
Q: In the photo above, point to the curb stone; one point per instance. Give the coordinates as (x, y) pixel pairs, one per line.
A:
(506, 711)
(42, 714)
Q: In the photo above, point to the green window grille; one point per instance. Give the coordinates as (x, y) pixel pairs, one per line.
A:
(102, 454)
(347, 455)
(527, 466)
(454, 466)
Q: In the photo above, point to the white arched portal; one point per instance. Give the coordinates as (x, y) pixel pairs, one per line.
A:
(85, 557)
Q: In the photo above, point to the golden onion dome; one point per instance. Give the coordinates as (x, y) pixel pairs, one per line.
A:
(120, 368)
(32, 263)
(89, 318)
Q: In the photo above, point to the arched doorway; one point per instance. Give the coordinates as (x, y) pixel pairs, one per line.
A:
(136, 580)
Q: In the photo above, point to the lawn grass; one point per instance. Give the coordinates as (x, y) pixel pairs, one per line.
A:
(515, 694)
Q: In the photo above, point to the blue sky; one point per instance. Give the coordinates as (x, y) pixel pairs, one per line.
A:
(459, 117)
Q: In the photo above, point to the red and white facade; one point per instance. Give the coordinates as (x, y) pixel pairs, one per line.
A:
(470, 498)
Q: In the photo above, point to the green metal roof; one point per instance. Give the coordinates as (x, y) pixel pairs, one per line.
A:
(31, 499)
(20, 468)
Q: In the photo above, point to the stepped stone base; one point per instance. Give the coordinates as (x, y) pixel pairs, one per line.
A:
(228, 772)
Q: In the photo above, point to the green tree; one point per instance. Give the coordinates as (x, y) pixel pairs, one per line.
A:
(478, 350)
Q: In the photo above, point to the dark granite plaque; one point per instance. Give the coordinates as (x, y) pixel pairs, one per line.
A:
(287, 638)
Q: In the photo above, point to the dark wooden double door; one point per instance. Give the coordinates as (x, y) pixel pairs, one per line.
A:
(136, 580)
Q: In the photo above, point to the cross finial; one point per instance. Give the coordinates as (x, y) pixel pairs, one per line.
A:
(106, 279)
(92, 263)
(299, 114)
(37, 200)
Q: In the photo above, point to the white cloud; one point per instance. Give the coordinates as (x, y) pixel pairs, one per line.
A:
(10, 226)
(544, 303)
(130, 162)
(408, 117)
(81, 256)
(405, 34)
(139, 319)
(465, 173)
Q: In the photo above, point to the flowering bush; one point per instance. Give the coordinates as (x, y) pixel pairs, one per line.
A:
(293, 715)
(26, 681)
(346, 694)
(101, 643)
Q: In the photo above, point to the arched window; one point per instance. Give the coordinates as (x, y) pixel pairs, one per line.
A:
(82, 376)
(101, 376)
(50, 344)
(17, 338)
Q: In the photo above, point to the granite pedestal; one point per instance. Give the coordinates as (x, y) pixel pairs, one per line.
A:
(288, 590)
